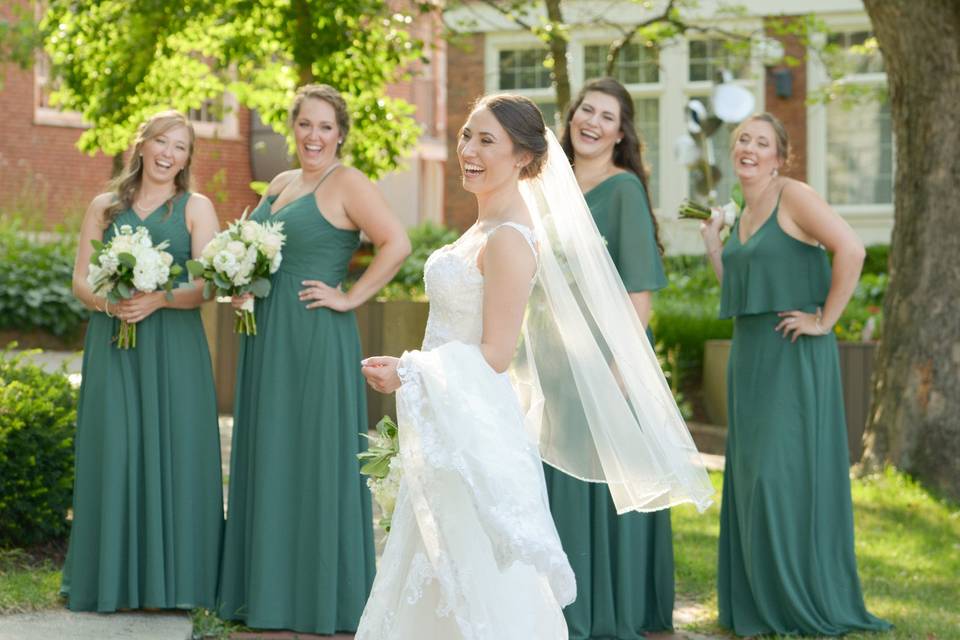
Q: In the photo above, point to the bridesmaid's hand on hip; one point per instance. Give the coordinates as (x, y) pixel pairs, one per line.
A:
(319, 294)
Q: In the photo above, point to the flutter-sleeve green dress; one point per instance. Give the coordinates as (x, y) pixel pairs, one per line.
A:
(148, 494)
(623, 564)
(786, 556)
(298, 551)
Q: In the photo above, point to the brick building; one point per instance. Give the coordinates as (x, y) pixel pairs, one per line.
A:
(846, 155)
(42, 171)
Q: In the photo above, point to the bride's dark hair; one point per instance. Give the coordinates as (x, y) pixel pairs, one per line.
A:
(523, 122)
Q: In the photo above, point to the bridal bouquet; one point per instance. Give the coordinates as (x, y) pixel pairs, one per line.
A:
(382, 464)
(128, 263)
(240, 260)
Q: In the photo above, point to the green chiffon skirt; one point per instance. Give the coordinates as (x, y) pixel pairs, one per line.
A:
(623, 564)
(786, 556)
(298, 551)
(148, 501)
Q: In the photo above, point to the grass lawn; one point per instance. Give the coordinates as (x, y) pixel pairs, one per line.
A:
(908, 553)
(29, 581)
(908, 549)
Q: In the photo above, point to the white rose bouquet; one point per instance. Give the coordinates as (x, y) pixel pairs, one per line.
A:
(130, 262)
(382, 466)
(240, 260)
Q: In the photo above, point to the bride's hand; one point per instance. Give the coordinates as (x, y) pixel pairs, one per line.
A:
(381, 373)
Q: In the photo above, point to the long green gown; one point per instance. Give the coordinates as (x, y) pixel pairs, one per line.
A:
(623, 564)
(786, 557)
(298, 552)
(148, 496)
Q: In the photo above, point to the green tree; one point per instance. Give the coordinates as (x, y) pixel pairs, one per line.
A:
(117, 62)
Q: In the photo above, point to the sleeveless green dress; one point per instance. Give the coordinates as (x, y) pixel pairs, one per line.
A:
(148, 495)
(298, 552)
(786, 556)
(623, 564)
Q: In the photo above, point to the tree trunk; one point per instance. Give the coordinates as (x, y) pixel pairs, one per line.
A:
(914, 422)
(558, 51)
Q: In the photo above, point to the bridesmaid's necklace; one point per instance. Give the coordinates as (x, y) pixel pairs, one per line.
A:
(145, 209)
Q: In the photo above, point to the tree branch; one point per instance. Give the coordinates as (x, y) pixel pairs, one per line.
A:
(508, 14)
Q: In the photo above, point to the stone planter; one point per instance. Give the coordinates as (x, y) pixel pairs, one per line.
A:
(42, 340)
(386, 329)
(856, 371)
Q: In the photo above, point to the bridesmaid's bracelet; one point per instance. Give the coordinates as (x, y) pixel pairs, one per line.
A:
(817, 320)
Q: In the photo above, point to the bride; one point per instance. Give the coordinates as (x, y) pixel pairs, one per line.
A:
(473, 552)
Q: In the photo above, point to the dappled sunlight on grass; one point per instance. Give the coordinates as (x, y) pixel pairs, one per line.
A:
(27, 582)
(908, 554)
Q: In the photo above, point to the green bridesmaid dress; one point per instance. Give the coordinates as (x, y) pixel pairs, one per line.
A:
(298, 552)
(623, 564)
(148, 495)
(786, 556)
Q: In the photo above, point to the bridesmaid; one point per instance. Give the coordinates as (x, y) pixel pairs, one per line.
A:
(786, 558)
(623, 564)
(298, 552)
(148, 501)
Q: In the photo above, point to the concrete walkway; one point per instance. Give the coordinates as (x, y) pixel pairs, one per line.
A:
(60, 624)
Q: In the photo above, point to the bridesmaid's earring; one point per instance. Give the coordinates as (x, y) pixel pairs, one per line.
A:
(775, 173)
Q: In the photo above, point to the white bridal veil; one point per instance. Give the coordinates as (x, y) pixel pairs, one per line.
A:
(596, 400)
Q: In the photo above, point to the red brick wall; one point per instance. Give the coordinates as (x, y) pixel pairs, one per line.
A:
(40, 166)
(791, 111)
(465, 84)
(45, 176)
(42, 169)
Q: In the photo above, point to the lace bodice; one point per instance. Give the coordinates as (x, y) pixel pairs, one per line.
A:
(454, 285)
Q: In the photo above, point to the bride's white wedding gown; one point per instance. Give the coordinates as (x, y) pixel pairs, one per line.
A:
(473, 553)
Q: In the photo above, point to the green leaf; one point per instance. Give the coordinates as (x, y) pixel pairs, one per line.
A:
(260, 287)
(207, 290)
(124, 290)
(127, 259)
(196, 268)
(97, 245)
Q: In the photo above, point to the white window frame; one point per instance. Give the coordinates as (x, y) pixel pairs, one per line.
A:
(877, 215)
(673, 90)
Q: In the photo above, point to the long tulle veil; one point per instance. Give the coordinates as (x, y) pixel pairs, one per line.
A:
(596, 399)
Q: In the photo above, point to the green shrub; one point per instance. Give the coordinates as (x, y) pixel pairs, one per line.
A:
(37, 422)
(877, 260)
(863, 317)
(685, 313)
(36, 282)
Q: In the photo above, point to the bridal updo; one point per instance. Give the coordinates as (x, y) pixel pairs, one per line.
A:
(523, 122)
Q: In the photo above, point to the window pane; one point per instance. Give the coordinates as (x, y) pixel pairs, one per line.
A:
(647, 121)
(859, 154)
(857, 52)
(210, 111)
(707, 57)
(721, 152)
(523, 69)
(636, 63)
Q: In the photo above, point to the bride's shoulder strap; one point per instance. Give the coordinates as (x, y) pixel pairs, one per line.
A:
(524, 230)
